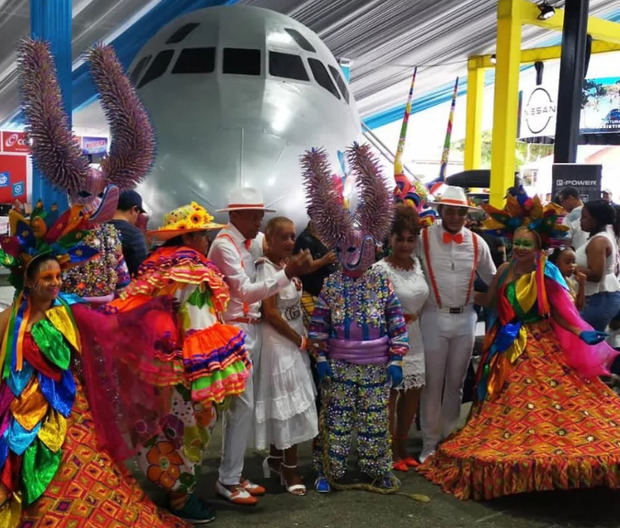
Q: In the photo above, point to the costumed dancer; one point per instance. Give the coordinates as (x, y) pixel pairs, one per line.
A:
(452, 255)
(53, 470)
(357, 328)
(206, 363)
(542, 419)
(405, 271)
(285, 410)
(233, 252)
(59, 158)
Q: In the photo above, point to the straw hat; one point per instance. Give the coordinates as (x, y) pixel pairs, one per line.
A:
(454, 197)
(245, 199)
(185, 219)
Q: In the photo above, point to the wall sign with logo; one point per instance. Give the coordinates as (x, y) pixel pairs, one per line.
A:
(13, 173)
(15, 142)
(585, 178)
(538, 113)
(94, 145)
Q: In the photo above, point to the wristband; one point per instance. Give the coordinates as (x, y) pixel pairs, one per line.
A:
(304, 343)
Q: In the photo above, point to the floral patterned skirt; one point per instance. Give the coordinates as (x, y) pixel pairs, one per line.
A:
(89, 489)
(546, 429)
(171, 453)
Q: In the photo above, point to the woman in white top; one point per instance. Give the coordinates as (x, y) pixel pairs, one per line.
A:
(412, 290)
(285, 411)
(597, 260)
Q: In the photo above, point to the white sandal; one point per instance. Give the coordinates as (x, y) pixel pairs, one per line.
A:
(295, 489)
(267, 469)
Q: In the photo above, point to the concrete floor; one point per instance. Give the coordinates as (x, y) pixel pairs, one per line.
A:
(594, 508)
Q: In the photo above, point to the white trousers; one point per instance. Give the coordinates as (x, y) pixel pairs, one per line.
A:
(448, 345)
(238, 419)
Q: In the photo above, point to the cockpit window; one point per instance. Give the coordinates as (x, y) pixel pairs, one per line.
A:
(137, 71)
(287, 65)
(340, 82)
(195, 60)
(182, 32)
(322, 77)
(241, 61)
(302, 41)
(158, 67)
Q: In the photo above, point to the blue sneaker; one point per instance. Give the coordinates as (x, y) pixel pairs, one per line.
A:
(195, 511)
(321, 484)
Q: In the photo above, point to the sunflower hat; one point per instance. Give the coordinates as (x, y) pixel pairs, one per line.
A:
(522, 211)
(185, 219)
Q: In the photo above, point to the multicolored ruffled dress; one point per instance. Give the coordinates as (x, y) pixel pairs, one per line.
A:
(53, 471)
(543, 420)
(204, 364)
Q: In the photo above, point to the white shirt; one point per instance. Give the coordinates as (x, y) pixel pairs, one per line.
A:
(609, 282)
(237, 264)
(577, 237)
(452, 264)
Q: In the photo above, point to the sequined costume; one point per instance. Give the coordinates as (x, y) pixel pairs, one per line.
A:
(98, 279)
(362, 325)
(208, 366)
(543, 419)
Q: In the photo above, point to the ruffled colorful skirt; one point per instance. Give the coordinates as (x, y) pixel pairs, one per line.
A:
(546, 429)
(89, 489)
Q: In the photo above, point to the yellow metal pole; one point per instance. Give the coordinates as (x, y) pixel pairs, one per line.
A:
(506, 102)
(473, 127)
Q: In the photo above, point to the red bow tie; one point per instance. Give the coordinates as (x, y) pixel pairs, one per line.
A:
(457, 238)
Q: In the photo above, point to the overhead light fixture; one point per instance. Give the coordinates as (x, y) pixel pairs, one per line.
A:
(493, 59)
(546, 11)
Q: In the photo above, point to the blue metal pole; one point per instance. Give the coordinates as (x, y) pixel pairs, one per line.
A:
(50, 20)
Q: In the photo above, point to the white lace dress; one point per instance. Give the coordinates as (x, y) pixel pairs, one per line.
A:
(284, 410)
(412, 291)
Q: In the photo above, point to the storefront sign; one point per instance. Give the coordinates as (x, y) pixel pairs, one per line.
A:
(14, 142)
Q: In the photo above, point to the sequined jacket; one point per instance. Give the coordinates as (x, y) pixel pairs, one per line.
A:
(103, 274)
(361, 320)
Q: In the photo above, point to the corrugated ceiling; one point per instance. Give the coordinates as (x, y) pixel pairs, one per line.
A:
(383, 38)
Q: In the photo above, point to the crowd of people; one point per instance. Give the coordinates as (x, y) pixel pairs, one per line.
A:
(123, 342)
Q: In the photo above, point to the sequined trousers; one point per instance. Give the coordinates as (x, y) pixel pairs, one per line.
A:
(356, 401)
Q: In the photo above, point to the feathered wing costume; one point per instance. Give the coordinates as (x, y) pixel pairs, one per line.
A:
(59, 158)
(357, 323)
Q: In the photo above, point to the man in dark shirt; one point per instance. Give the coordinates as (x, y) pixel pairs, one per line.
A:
(127, 213)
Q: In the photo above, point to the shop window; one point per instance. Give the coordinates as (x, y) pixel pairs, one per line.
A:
(302, 41)
(340, 82)
(241, 61)
(287, 65)
(137, 71)
(195, 60)
(182, 32)
(322, 77)
(158, 67)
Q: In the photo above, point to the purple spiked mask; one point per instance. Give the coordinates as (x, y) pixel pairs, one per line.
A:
(54, 149)
(352, 235)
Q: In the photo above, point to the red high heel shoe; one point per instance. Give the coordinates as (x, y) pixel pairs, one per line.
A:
(400, 465)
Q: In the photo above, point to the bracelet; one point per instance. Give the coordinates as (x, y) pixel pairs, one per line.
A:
(304, 343)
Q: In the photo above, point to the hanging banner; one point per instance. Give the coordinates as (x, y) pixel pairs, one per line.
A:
(14, 142)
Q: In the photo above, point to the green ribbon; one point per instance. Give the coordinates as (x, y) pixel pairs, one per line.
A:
(51, 343)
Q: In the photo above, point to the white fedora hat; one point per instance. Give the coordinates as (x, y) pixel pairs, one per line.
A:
(245, 199)
(454, 197)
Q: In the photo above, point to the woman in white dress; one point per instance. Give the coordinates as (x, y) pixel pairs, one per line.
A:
(405, 271)
(285, 411)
